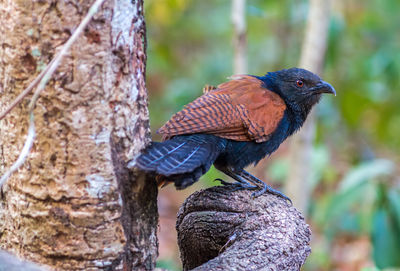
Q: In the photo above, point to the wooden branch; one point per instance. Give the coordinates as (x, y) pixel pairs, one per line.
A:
(222, 229)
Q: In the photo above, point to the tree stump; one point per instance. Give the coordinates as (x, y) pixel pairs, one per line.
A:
(223, 229)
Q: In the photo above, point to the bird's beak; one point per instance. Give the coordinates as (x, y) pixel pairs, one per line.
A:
(324, 87)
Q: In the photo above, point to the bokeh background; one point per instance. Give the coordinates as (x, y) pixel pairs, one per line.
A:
(354, 208)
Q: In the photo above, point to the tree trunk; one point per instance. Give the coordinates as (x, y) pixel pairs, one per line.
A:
(74, 205)
(312, 58)
(240, 37)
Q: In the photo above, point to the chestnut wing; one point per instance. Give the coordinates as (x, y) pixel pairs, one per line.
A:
(240, 109)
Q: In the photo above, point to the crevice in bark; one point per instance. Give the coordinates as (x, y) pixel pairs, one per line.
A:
(139, 199)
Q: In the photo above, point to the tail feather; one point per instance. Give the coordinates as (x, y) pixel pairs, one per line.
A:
(181, 154)
(157, 152)
(171, 165)
(183, 180)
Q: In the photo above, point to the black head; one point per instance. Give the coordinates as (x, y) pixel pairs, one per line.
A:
(299, 88)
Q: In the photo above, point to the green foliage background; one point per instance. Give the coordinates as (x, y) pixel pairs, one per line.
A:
(356, 155)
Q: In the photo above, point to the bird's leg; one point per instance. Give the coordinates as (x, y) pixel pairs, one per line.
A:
(264, 187)
(240, 183)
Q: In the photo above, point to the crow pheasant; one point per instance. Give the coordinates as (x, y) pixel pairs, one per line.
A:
(233, 125)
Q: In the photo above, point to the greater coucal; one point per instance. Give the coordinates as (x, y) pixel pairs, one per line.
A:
(232, 126)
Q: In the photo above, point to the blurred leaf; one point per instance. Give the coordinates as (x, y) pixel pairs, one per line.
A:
(385, 240)
(337, 213)
(350, 209)
(364, 172)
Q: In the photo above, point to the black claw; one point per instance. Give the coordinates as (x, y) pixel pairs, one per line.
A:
(245, 180)
(268, 189)
(264, 188)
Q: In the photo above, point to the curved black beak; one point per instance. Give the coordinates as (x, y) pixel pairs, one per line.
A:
(324, 87)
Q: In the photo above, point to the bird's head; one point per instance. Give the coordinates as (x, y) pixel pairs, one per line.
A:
(298, 87)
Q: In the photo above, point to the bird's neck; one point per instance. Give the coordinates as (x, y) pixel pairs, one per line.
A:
(296, 113)
(270, 82)
(297, 116)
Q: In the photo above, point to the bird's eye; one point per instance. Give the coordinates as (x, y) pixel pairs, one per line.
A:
(299, 83)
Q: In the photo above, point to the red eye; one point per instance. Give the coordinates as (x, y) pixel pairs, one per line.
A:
(299, 83)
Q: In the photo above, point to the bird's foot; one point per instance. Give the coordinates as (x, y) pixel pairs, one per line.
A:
(268, 189)
(237, 185)
(264, 188)
(244, 180)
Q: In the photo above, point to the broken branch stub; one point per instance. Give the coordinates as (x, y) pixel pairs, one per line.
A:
(222, 229)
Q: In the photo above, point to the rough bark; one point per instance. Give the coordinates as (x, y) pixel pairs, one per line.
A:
(312, 58)
(74, 205)
(222, 229)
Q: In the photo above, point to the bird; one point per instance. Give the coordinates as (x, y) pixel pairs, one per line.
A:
(234, 125)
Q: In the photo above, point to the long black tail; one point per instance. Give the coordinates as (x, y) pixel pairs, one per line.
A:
(183, 159)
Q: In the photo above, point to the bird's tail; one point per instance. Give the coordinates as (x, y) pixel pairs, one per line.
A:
(182, 159)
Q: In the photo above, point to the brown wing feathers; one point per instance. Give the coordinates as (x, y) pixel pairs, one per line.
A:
(240, 109)
(210, 113)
